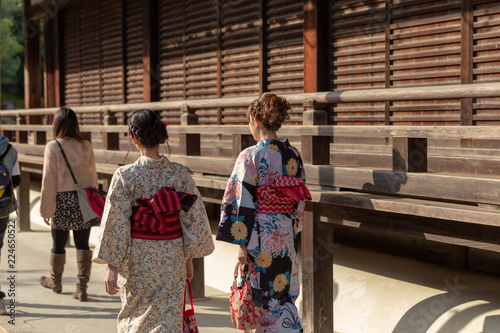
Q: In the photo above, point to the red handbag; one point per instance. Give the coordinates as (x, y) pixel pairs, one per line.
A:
(189, 325)
(245, 301)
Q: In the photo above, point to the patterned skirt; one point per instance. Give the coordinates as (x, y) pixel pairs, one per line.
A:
(68, 215)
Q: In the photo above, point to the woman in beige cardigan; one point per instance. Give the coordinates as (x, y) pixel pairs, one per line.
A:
(59, 201)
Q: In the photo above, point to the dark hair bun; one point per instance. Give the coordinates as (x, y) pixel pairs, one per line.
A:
(147, 127)
(271, 110)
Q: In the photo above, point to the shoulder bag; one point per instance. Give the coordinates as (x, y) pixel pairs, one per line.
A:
(91, 200)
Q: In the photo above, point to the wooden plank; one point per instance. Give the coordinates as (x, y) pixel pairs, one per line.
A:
(439, 186)
(408, 206)
(442, 231)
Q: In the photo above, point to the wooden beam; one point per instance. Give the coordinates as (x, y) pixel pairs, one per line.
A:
(443, 231)
(480, 90)
(454, 187)
(150, 53)
(47, 9)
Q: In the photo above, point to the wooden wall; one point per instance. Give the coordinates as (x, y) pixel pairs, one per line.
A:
(222, 48)
(408, 43)
(203, 49)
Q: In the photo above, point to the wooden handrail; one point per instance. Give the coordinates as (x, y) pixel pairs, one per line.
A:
(328, 97)
(431, 132)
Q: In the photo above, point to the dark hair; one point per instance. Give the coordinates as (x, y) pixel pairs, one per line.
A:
(147, 128)
(271, 110)
(65, 125)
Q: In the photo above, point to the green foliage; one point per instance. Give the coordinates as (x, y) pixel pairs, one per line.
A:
(12, 41)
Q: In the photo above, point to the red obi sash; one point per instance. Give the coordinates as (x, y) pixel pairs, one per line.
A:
(280, 198)
(158, 218)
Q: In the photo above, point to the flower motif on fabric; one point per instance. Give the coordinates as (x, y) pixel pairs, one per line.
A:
(232, 191)
(276, 243)
(263, 261)
(291, 167)
(273, 147)
(279, 283)
(238, 229)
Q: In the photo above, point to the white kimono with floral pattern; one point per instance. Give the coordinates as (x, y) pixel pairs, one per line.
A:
(152, 273)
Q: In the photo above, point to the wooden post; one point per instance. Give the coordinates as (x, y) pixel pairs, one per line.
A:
(241, 142)
(189, 144)
(198, 281)
(110, 141)
(262, 47)
(317, 272)
(32, 68)
(467, 65)
(23, 200)
(106, 181)
(409, 154)
(388, 42)
(151, 71)
(316, 55)
(51, 63)
(21, 135)
(52, 73)
(315, 149)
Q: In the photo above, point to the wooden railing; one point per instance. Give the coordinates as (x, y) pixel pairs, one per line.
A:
(403, 198)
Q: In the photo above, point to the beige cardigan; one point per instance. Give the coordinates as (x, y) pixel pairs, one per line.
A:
(56, 175)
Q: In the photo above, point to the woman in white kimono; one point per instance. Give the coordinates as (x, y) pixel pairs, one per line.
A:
(148, 255)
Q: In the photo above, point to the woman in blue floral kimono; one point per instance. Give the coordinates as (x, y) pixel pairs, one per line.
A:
(153, 224)
(262, 212)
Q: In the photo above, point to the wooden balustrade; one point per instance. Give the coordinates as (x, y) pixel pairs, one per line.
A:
(403, 198)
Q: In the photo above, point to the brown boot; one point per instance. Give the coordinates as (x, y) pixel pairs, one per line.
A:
(84, 261)
(53, 282)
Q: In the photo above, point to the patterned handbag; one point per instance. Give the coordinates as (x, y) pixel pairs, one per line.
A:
(189, 325)
(245, 300)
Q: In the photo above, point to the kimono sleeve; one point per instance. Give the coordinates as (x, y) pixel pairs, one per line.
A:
(195, 220)
(114, 236)
(239, 204)
(49, 182)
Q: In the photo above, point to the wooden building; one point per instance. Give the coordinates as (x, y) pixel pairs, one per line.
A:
(400, 149)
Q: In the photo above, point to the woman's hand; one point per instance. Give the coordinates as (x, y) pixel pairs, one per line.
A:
(189, 269)
(243, 254)
(244, 259)
(46, 220)
(111, 280)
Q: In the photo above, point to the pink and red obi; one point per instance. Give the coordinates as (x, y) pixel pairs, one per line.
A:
(280, 197)
(157, 218)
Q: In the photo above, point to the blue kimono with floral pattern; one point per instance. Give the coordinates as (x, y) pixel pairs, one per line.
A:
(270, 238)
